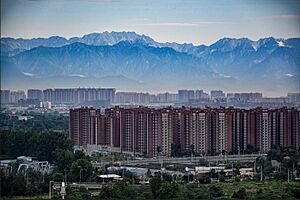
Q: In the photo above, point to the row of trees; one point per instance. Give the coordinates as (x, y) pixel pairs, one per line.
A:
(285, 164)
(163, 187)
(40, 123)
(177, 152)
(42, 146)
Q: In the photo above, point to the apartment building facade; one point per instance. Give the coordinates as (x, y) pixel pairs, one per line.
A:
(161, 132)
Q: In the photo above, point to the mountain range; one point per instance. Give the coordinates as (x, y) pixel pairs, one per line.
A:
(129, 61)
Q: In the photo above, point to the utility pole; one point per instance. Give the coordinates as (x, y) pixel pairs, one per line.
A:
(161, 166)
(293, 172)
(50, 189)
(80, 175)
(66, 176)
(261, 174)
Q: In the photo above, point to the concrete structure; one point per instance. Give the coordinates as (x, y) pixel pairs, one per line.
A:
(15, 96)
(5, 96)
(35, 94)
(205, 170)
(246, 172)
(45, 104)
(162, 132)
(185, 95)
(79, 95)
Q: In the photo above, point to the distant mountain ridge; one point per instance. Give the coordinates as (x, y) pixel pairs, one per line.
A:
(268, 63)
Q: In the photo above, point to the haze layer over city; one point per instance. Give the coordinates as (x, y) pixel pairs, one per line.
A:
(150, 99)
(237, 46)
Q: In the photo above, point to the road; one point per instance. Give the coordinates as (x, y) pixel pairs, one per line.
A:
(186, 160)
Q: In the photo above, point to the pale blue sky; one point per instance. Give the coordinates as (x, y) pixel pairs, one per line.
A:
(190, 21)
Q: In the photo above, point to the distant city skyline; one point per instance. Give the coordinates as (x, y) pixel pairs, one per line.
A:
(197, 22)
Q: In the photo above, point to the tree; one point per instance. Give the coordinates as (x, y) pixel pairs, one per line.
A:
(204, 179)
(119, 190)
(240, 194)
(168, 190)
(176, 150)
(78, 193)
(12, 184)
(251, 149)
(81, 170)
(167, 177)
(155, 183)
(58, 177)
(80, 155)
(43, 146)
(222, 178)
(203, 162)
(275, 153)
(122, 190)
(261, 162)
(215, 191)
(64, 161)
(280, 176)
(192, 149)
(106, 192)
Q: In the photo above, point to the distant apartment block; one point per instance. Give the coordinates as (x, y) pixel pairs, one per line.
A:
(139, 98)
(248, 97)
(132, 98)
(15, 96)
(79, 95)
(167, 97)
(153, 132)
(35, 94)
(217, 94)
(5, 96)
(185, 95)
(293, 97)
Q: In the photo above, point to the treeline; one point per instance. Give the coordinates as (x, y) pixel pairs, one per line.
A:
(162, 186)
(40, 123)
(54, 147)
(42, 146)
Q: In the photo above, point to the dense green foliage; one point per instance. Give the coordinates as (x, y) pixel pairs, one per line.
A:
(34, 183)
(119, 190)
(231, 190)
(40, 123)
(74, 167)
(43, 146)
(44, 139)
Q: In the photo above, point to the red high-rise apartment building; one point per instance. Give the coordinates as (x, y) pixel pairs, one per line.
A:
(165, 131)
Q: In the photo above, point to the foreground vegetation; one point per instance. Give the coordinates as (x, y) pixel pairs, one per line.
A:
(165, 189)
(55, 147)
(40, 123)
